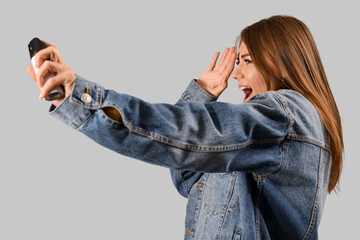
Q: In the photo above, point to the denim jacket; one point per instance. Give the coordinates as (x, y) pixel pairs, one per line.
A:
(255, 170)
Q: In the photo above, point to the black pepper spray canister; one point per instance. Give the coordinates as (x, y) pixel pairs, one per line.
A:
(35, 46)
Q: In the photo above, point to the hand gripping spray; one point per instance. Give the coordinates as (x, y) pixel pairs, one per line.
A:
(35, 46)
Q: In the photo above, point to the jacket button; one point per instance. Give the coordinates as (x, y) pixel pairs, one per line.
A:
(86, 98)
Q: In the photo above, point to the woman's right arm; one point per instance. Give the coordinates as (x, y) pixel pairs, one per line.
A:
(191, 135)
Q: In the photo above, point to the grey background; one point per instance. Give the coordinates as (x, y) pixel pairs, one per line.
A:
(57, 184)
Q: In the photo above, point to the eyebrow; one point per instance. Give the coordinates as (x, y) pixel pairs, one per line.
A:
(245, 55)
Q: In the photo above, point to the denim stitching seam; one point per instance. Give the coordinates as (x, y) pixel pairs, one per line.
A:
(183, 182)
(286, 109)
(85, 120)
(315, 207)
(257, 205)
(308, 140)
(199, 148)
(282, 163)
(227, 202)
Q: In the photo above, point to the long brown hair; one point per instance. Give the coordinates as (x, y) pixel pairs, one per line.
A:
(286, 43)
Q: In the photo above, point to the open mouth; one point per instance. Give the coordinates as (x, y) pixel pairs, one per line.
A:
(247, 91)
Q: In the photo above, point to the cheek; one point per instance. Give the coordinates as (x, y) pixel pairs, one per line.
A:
(259, 83)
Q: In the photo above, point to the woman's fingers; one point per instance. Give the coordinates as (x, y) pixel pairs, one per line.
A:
(64, 79)
(222, 59)
(226, 59)
(31, 72)
(47, 67)
(213, 61)
(52, 82)
(51, 71)
(229, 63)
(49, 53)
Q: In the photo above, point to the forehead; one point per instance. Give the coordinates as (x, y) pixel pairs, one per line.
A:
(243, 49)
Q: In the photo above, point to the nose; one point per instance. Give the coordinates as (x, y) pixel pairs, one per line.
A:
(237, 73)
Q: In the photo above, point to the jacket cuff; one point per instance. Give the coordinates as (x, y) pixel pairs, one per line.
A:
(84, 98)
(195, 93)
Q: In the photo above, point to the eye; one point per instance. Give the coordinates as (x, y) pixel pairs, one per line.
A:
(247, 61)
(237, 61)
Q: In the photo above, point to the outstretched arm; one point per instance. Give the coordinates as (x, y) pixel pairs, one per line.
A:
(191, 135)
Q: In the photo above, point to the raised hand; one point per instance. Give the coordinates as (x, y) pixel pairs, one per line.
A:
(215, 79)
(64, 75)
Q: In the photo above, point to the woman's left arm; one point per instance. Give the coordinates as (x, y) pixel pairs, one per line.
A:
(184, 180)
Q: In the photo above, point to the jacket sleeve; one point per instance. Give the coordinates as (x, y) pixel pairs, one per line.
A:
(190, 135)
(184, 180)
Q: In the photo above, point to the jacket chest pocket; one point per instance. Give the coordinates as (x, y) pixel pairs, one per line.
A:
(218, 192)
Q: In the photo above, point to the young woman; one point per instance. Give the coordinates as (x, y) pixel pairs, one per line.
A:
(256, 170)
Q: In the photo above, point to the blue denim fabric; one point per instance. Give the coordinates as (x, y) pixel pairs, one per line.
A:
(255, 170)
